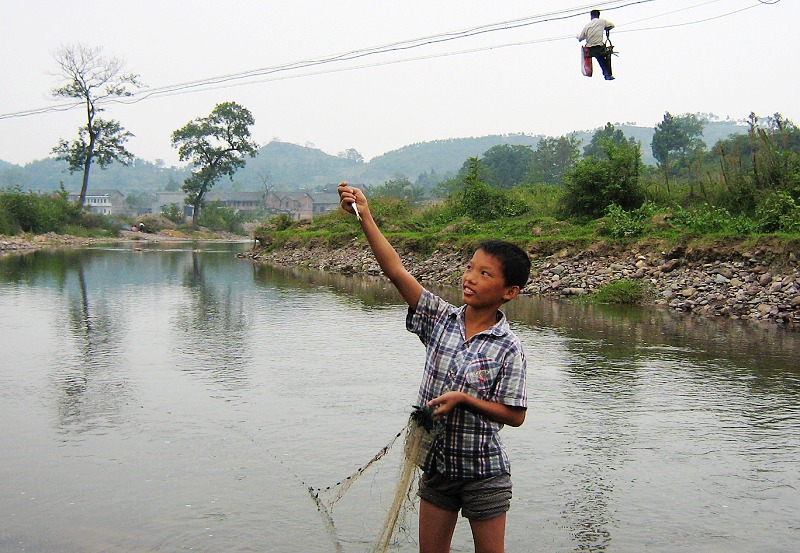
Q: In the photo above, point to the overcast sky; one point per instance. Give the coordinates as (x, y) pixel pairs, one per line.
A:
(726, 57)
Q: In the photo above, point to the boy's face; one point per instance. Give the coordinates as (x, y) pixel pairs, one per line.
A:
(483, 283)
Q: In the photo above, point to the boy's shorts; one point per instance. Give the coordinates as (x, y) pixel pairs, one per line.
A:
(480, 499)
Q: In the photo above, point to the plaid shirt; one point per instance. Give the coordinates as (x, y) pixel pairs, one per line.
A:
(489, 366)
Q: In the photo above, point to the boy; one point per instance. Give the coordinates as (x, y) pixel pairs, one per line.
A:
(474, 377)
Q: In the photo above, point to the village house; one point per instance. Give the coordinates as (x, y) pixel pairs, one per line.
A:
(302, 205)
(298, 205)
(104, 202)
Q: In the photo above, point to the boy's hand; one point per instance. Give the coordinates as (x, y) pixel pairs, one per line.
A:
(446, 403)
(497, 412)
(349, 195)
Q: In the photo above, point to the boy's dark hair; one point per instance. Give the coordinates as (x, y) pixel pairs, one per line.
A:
(594, 13)
(514, 261)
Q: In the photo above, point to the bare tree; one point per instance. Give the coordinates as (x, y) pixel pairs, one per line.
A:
(93, 79)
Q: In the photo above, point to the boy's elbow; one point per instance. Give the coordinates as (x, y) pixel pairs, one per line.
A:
(517, 416)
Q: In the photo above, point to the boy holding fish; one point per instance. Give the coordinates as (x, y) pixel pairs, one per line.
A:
(474, 378)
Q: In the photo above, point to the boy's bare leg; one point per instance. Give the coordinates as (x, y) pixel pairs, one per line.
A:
(436, 527)
(489, 535)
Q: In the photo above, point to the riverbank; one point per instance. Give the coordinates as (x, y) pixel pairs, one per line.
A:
(750, 280)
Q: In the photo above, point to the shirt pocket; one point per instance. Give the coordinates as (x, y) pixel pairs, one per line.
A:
(481, 376)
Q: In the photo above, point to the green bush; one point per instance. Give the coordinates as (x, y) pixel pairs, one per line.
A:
(594, 184)
(484, 203)
(174, 213)
(283, 221)
(619, 223)
(623, 291)
(29, 212)
(217, 218)
(703, 219)
(778, 213)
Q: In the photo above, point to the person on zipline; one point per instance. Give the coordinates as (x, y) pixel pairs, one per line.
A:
(594, 34)
(474, 377)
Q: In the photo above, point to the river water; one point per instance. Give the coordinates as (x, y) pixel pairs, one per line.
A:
(178, 398)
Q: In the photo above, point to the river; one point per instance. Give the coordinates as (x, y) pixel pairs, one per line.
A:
(174, 397)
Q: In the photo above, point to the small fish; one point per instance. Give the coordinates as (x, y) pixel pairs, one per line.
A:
(355, 208)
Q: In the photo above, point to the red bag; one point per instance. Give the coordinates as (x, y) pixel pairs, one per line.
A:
(586, 62)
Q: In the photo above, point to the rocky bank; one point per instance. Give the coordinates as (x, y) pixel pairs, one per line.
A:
(758, 281)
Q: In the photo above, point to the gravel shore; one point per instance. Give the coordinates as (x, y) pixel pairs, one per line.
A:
(21, 244)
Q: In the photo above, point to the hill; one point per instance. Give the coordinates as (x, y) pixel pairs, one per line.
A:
(284, 166)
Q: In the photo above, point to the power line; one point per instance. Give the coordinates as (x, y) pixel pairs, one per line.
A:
(459, 52)
(392, 47)
(267, 74)
(209, 83)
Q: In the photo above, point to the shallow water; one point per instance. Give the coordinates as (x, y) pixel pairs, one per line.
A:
(170, 398)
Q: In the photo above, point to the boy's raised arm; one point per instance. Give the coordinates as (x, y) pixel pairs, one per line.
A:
(384, 252)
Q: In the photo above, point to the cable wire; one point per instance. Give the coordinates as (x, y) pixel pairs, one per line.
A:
(267, 74)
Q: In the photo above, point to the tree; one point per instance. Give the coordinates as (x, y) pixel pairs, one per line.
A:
(93, 79)
(482, 202)
(506, 165)
(552, 158)
(675, 139)
(216, 146)
(351, 154)
(607, 135)
(400, 189)
(596, 183)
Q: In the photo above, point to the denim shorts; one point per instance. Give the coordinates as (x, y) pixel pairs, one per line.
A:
(479, 499)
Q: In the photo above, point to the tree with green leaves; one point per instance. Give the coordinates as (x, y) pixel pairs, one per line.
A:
(483, 203)
(506, 165)
(598, 182)
(607, 135)
(675, 140)
(92, 79)
(553, 158)
(216, 146)
(399, 189)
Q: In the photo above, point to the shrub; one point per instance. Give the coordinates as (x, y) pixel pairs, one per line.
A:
(218, 218)
(778, 213)
(623, 291)
(174, 213)
(29, 212)
(484, 203)
(594, 184)
(703, 219)
(283, 221)
(619, 223)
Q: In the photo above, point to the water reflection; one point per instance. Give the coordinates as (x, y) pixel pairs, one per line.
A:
(619, 331)
(648, 429)
(90, 387)
(213, 326)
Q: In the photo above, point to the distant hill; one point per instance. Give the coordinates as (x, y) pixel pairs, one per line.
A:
(284, 166)
(441, 156)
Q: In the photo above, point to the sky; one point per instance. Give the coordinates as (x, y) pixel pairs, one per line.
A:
(521, 74)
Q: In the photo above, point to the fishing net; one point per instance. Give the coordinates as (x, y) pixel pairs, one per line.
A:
(417, 436)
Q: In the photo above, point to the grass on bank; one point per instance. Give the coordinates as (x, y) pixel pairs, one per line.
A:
(537, 227)
(623, 291)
